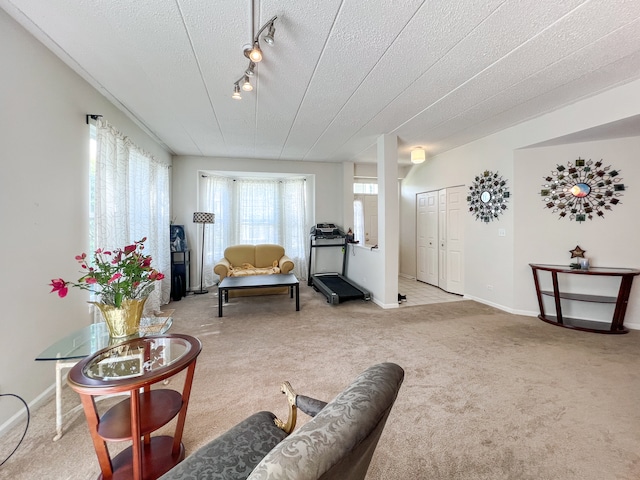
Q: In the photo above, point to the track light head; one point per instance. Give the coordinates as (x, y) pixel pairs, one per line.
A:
(250, 69)
(255, 54)
(236, 92)
(269, 36)
(246, 84)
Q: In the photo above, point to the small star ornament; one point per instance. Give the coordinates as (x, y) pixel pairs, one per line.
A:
(577, 252)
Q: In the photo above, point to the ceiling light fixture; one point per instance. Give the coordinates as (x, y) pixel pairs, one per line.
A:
(254, 53)
(418, 155)
(236, 92)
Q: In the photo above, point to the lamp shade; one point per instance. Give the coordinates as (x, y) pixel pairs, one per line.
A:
(418, 155)
(203, 217)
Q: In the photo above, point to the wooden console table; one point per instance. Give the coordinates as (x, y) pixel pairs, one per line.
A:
(617, 323)
(132, 367)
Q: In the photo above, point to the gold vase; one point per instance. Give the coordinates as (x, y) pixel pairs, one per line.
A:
(123, 321)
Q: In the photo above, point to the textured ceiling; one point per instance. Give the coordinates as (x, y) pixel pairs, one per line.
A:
(342, 72)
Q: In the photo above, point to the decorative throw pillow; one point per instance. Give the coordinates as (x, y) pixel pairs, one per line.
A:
(248, 269)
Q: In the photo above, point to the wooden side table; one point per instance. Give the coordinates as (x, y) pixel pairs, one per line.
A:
(69, 350)
(616, 326)
(132, 367)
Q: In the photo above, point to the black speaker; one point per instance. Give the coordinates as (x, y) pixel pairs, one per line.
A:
(179, 274)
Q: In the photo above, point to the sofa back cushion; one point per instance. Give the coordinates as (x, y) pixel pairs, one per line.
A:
(266, 254)
(239, 254)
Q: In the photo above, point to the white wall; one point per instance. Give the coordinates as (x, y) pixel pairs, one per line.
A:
(488, 258)
(503, 261)
(44, 150)
(326, 203)
(609, 242)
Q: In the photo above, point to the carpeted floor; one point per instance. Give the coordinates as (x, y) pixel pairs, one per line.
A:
(487, 395)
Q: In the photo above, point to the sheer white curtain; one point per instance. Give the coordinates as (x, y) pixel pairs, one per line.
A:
(252, 211)
(216, 197)
(358, 218)
(130, 201)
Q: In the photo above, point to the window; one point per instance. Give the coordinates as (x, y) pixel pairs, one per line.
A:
(365, 188)
(129, 200)
(365, 217)
(254, 211)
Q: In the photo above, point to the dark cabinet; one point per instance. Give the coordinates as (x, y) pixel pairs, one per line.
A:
(180, 262)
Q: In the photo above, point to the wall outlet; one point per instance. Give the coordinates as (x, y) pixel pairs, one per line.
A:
(490, 288)
(502, 232)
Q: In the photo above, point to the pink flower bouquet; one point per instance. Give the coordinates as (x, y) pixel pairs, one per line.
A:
(115, 275)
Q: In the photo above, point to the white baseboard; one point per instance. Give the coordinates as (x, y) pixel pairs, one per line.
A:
(530, 313)
(491, 304)
(408, 277)
(384, 305)
(632, 326)
(33, 405)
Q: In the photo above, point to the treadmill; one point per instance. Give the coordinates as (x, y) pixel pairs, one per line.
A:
(335, 286)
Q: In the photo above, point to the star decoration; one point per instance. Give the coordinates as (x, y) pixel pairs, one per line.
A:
(577, 252)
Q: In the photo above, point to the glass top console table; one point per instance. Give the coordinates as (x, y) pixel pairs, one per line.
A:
(69, 350)
(616, 326)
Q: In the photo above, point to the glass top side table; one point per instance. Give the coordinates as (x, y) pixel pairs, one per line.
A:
(69, 350)
(132, 367)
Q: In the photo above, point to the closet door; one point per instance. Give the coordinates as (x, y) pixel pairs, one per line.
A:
(442, 239)
(427, 237)
(455, 211)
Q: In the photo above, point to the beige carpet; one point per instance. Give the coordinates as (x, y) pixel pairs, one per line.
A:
(487, 395)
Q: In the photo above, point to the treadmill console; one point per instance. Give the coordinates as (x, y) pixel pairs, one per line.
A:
(326, 230)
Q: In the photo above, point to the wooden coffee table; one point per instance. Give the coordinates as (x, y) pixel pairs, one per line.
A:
(258, 281)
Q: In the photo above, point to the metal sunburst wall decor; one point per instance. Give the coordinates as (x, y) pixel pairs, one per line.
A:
(582, 189)
(488, 196)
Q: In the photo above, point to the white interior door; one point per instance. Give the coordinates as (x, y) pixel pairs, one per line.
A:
(427, 237)
(371, 219)
(455, 211)
(442, 239)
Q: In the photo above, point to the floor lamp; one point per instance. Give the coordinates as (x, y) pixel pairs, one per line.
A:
(203, 218)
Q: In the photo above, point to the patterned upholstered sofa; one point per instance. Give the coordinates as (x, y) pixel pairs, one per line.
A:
(337, 443)
(263, 259)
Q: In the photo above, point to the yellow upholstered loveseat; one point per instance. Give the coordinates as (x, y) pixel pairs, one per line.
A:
(263, 259)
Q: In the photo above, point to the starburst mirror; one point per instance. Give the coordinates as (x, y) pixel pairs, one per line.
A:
(488, 196)
(582, 189)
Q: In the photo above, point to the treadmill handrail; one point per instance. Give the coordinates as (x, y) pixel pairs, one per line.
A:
(312, 245)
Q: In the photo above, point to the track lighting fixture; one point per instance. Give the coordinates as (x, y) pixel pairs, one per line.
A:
(254, 53)
(236, 92)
